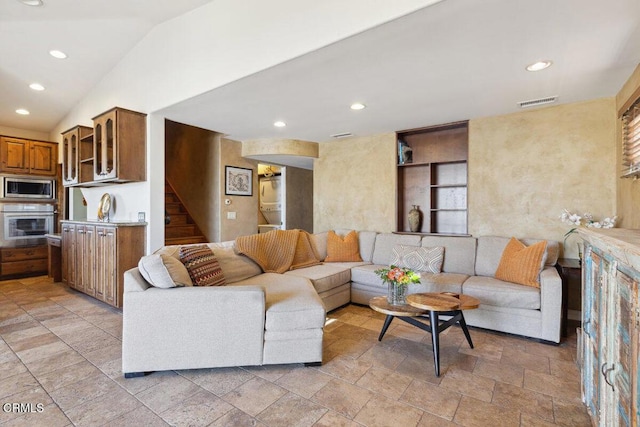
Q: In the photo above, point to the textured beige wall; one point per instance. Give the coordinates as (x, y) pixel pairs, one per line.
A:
(524, 168)
(294, 147)
(355, 184)
(245, 207)
(628, 203)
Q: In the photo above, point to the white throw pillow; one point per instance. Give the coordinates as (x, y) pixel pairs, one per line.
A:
(163, 271)
(418, 258)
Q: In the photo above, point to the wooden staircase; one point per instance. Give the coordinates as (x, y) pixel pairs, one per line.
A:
(181, 228)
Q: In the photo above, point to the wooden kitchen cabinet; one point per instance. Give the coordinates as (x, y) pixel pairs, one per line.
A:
(21, 262)
(85, 259)
(96, 255)
(22, 156)
(68, 245)
(609, 340)
(77, 155)
(119, 146)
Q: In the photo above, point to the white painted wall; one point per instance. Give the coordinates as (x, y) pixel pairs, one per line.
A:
(206, 48)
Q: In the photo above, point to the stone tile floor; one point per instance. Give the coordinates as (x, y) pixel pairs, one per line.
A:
(60, 357)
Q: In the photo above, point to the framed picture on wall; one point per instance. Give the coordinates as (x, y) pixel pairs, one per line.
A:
(238, 181)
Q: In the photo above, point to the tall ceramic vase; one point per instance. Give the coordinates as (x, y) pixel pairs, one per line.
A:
(414, 217)
(397, 294)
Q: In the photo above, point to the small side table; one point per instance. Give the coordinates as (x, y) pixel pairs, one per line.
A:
(567, 268)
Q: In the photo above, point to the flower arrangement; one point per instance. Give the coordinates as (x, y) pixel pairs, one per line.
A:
(397, 279)
(585, 220)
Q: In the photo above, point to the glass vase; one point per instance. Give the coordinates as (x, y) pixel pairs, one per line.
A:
(396, 294)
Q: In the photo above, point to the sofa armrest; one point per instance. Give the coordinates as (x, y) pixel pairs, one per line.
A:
(133, 281)
(192, 327)
(551, 303)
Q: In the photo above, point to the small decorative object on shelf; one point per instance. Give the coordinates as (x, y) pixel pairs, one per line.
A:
(397, 280)
(414, 216)
(405, 153)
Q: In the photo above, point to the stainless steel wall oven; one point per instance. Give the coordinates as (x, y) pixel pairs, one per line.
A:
(25, 224)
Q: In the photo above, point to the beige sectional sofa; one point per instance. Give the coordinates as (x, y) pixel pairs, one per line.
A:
(268, 318)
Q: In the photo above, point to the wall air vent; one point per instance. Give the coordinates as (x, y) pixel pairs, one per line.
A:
(341, 135)
(536, 102)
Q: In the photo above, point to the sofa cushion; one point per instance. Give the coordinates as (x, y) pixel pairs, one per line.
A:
(291, 302)
(418, 258)
(235, 267)
(385, 242)
(202, 265)
(324, 277)
(495, 292)
(341, 249)
(163, 271)
(521, 264)
(366, 274)
(438, 282)
(459, 252)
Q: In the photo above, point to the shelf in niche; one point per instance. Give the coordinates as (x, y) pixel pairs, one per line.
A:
(88, 160)
(87, 138)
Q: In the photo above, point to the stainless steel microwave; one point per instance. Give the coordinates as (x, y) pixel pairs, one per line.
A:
(19, 187)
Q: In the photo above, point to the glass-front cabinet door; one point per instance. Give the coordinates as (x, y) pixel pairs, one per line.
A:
(105, 145)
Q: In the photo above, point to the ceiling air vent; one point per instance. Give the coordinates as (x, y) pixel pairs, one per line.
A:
(341, 135)
(536, 102)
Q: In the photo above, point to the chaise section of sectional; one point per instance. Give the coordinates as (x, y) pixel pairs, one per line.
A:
(294, 319)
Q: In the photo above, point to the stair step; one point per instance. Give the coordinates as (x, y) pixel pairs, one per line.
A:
(170, 198)
(184, 240)
(179, 230)
(174, 208)
(179, 219)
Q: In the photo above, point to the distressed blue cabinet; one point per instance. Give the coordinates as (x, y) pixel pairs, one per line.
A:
(610, 327)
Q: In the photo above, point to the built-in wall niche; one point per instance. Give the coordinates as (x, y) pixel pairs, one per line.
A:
(432, 174)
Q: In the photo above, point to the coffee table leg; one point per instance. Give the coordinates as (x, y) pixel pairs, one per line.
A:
(463, 325)
(387, 322)
(435, 338)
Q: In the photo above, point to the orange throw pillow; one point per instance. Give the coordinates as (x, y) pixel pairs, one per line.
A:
(521, 264)
(342, 250)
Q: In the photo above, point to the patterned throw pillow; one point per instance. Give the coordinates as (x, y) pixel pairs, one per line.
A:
(343, 249)
(202, 265)
(521, 264)
(418, 258)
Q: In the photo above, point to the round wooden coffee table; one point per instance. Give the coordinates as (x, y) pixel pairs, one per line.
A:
(432, 305)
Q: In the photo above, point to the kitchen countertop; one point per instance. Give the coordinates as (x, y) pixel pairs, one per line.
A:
(106, 223)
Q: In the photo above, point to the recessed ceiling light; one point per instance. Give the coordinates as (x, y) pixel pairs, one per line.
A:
(57, 54)
(279, 124)
(540, 65)
(31, 2)
(358, 106)
(36, 86)
(22, 111)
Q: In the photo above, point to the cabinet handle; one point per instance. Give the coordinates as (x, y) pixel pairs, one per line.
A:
(605, 373)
